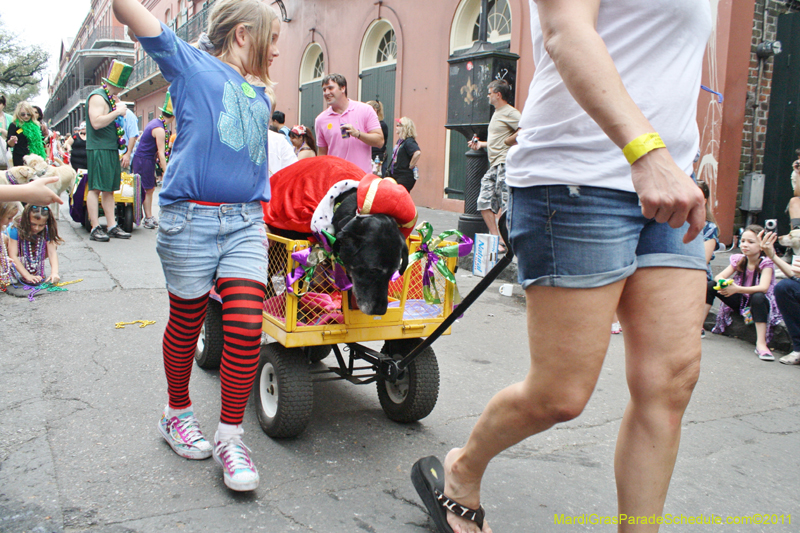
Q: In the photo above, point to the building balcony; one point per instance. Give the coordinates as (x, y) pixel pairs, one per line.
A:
(76, 99)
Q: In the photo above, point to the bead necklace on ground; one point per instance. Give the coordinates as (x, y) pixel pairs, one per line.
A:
(120, 130)
(166, 144)
(33, 259)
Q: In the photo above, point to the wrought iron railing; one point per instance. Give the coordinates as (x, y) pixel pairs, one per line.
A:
(189, 32)
(78, 96)
(105, 33)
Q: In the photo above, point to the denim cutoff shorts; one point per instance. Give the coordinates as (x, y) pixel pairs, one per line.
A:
(197, 243)
(585, 237)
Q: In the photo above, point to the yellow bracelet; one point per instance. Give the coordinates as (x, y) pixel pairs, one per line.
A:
(642, 145)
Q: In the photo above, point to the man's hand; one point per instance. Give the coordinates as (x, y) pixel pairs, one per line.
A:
(126, 160)
(667, 194)
(121, 107)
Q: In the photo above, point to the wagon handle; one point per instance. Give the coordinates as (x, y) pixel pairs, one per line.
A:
(395, 368)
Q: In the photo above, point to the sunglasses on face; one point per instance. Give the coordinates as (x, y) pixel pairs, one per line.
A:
(24, 114)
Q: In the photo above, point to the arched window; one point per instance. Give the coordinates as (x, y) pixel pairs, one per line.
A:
(319, 66)
(467, 21)
(387, 48)
(313, 64)
(498, 22)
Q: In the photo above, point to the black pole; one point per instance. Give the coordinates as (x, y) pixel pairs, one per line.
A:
(471, 222)
(483, 24)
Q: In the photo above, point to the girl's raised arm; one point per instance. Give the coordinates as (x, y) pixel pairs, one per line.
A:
(137, 18)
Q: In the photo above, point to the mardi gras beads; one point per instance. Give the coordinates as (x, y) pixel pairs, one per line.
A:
(120, 129)
(166, 144)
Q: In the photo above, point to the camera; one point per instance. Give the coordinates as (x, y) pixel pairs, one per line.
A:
(771, 224)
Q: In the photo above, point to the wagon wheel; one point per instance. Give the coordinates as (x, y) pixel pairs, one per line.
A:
(87, 223)
(208, 353)
(127, 218)
(316, 354)
(414, 396)
(283, 391)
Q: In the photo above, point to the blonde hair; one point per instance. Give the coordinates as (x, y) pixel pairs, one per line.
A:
(407, 128)
(256, 17)
(378, 107)
(7, 208)
(24, 106)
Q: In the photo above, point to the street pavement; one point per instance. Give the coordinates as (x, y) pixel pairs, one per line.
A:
(80, 400)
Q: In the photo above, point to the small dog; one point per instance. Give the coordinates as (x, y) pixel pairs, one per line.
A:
(65, 173)
(792, 240)
(365, 221)
(19, 175)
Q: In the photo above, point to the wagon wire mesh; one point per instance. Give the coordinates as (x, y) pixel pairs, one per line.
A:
(319, 302)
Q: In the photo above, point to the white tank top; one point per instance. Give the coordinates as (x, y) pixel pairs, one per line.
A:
(657, 47)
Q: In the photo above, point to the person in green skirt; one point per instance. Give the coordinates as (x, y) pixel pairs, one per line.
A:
(103, 140)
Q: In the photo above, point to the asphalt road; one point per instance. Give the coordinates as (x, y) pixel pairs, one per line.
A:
(79, 403)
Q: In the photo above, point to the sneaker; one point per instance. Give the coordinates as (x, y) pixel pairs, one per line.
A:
(183, 435)
(239, 472)
(616, 328)
(150, 223)
(118, 233)
(791, 359)
(97, 234)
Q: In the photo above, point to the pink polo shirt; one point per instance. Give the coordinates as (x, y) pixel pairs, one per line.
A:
(328, 127)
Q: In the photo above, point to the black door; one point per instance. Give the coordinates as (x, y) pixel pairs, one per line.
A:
(783, 137)
(311, 103)
(378, 84)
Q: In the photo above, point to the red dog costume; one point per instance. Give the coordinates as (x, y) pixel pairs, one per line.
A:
(297, 191)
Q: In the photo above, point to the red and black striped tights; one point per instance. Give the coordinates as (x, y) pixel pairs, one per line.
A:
(242, 304)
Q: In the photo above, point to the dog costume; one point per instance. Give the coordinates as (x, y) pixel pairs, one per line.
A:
(303, 195)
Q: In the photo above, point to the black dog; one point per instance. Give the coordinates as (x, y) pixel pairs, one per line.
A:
(372, 249)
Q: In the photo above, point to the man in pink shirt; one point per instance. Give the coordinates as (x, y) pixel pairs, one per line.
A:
(347, 129)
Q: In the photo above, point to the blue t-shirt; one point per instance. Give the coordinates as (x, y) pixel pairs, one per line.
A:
(220, 154)
(130, 124)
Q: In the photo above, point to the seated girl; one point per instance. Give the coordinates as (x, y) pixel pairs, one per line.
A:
(752, 292)
(8, 210)
(31, 240)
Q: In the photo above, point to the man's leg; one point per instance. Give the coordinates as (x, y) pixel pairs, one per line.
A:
(148, 203)
(662, 356)
(560, 381)
(92, 206)
(485, 196)
(107, 198)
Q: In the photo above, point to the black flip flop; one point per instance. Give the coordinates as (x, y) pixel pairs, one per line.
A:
(427, 475)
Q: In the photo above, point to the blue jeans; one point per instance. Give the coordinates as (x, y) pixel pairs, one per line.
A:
(197, 243)
(585, 237)
(787, 296)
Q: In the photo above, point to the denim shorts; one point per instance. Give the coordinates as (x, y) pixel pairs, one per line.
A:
(197, 243)
(585, 237)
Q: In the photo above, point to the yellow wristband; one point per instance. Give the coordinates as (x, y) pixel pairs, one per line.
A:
(642, 145)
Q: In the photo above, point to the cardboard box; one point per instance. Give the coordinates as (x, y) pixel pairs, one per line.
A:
(484, 253)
